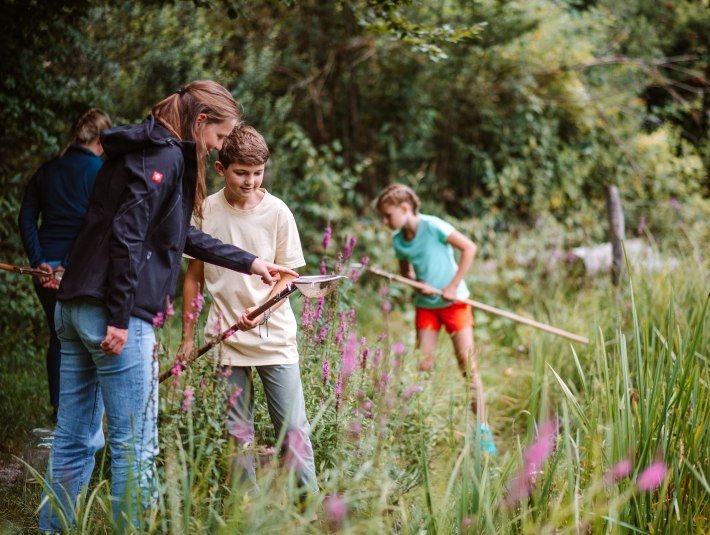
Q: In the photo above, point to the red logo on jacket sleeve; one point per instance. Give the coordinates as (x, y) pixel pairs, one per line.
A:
(157, 177)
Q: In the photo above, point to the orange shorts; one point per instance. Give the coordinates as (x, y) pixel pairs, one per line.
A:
(453, 317)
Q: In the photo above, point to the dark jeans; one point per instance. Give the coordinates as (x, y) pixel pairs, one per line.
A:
(48, 298)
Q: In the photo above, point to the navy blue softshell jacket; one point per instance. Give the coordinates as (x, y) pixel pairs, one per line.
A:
(138, 225)
(59, 192)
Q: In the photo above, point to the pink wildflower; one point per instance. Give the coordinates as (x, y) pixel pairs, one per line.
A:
(298, 448)
(319, 308)
(363, 357)
(242, 431)
(336, 511)
(339, 263)
(535, 455)
(326, 236)
(227, 372)
(542, 448)
(187, 399)
(349, 357)
(158, 320)
(355, 430)
(323, 333)
(378, 356)
(399, 348)
(386, 307)
(176, 370)
(652, 476)
(325, 371)
(349, 247)
(323, 267)
(169, 310)
(411, 390)
(197, 303)
(338, 391)
(234, 395)
(619, 471)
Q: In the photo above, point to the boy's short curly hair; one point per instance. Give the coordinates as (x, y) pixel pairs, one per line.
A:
(244, 145)
(395, 194)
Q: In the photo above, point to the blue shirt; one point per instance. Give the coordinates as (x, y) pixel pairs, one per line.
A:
(431, 257)
(59, 191)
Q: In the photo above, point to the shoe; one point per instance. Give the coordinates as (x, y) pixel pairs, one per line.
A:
(487, 444)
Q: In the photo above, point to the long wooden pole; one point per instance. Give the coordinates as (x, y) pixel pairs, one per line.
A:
(283, 294)
(24, 270)
(485, 308)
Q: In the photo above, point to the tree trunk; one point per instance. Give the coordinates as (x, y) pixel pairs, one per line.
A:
(616, 233)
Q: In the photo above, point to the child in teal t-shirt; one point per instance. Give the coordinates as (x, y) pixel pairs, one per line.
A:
(424, 246)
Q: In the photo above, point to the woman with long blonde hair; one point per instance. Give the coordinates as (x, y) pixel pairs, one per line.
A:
(120, 282)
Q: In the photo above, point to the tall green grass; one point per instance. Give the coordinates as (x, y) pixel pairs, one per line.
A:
(407, 461)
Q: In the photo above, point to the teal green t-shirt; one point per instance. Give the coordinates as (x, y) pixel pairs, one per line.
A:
(431, 257)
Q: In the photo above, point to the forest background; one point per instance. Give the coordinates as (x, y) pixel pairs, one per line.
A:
(509, 118)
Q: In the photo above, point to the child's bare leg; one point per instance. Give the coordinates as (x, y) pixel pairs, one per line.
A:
(426, 341)
(467, 359)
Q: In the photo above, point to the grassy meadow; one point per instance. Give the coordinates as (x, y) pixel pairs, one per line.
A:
(576, 426)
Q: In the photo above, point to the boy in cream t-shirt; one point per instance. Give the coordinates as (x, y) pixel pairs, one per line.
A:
(244, 213)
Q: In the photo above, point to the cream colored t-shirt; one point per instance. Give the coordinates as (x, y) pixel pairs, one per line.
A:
(269, 231)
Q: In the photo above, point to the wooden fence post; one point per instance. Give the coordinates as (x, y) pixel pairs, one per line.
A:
(616, 233)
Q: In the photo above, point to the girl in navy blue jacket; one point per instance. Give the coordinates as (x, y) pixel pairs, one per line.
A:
(59, 193)
(122, 272)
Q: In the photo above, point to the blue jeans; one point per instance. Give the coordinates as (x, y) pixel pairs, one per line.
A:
(287, 408)
(126, 386)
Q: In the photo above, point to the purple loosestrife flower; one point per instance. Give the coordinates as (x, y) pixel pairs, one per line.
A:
(341, 328)
(399, 348)
(234, 395)
(306, 314)
(169, 310)
(336, 511)
(297, 449)
(338, 391)
(325, 371)
(652, 476)
(197, 303)
(323, 333)
(323, 267)
(319, 309)
(352, 316)
(326, 236)
(242, 431)
(542, 448)
(355, 430)
(384, 382)
(158, 320)
(339, 263)
(378, 357)
(363, 356)
(349, 357)
(411, 390)
(187, 398)
(176, 370)
(619, 471)
(349, 246)
(534, 456)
